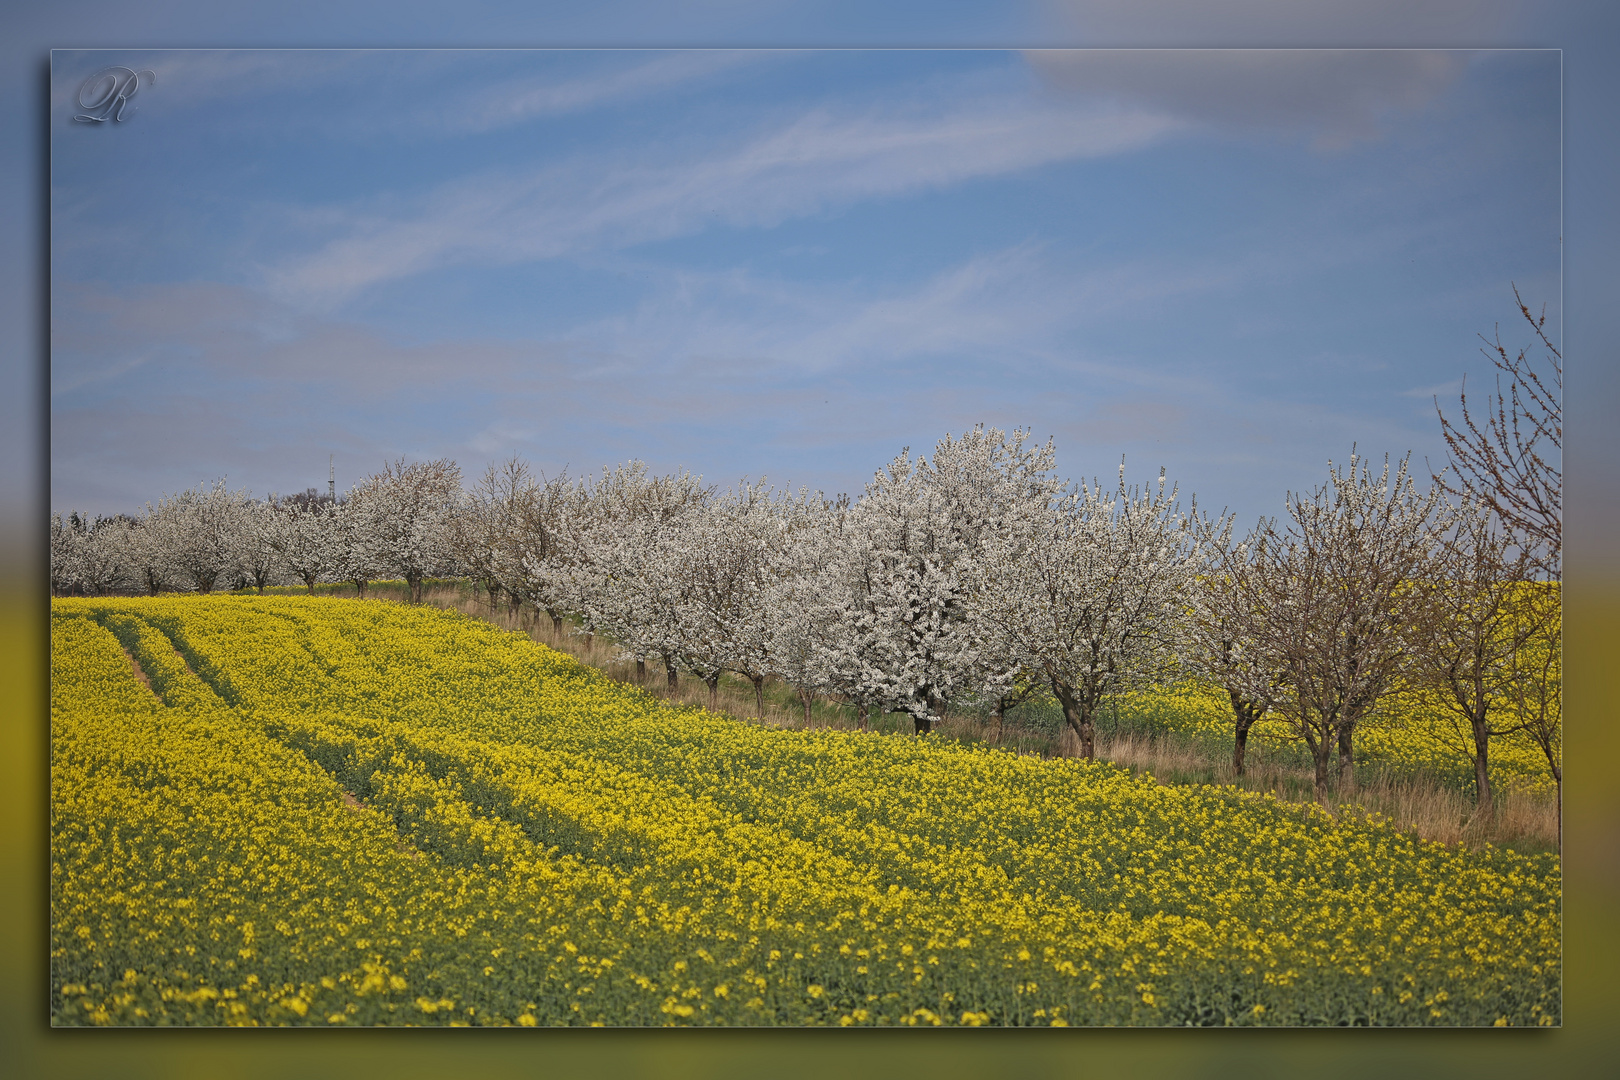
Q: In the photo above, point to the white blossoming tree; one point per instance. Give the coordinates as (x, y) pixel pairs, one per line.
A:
(538, 559)
(87, 556)
(304, 538)
(258, 562)
(1091, 593)
(198, 531)
(803, 599)
(141, 551)
(64, 572)
(908, 636)
(734, 561)
(404, 515)
(481, 529)
(350, 547)
(628, 550)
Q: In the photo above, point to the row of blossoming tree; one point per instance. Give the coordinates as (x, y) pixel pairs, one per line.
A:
(970, 573)
(395, 524)
(973, 573)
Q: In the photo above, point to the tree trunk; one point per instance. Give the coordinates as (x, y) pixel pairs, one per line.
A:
(1241, 746)
(414, 581)
(1484, 797)
(1558, 805)
(863, 715)
(641, 671)
(713, 683)
(806, 696)
(556, 621)
(1079, 718)
(921, 724)
(1246, 713)
(674, 676)
(1347, 761)
(759, 696)
(1321, 751)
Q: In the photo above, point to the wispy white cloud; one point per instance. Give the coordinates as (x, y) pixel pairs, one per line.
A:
(810, 385)
(1024, 306)
(813, 162)
(509, 102)
(404, 95)
(108, 369)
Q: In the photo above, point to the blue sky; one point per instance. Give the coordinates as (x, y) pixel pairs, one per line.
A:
(1230, 264)
(1282, 266)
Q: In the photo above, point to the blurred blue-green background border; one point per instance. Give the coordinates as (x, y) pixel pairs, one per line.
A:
(1589, 1042)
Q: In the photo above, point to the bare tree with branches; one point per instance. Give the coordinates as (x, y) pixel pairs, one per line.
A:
(1485, 625)
(1514, 463)
(1229, 625)
(1535, 694)
(1342, 609)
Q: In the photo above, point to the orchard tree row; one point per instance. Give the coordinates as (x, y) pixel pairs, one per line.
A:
(393, 525)
(971, 574)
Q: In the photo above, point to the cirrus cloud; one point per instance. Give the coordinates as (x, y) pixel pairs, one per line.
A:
(816, 161)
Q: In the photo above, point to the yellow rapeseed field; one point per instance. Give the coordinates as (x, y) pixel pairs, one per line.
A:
(330, 812)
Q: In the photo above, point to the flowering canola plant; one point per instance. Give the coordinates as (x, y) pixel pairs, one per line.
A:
(1412, 730)
(325, 812)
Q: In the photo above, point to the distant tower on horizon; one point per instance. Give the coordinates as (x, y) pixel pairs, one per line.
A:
(331, 477)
